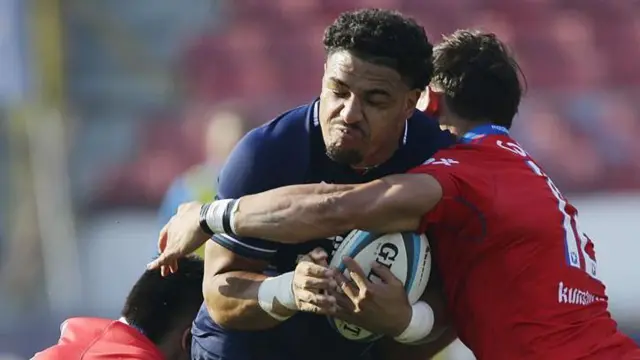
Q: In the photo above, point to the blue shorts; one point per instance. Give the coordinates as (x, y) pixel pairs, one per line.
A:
(302, 337)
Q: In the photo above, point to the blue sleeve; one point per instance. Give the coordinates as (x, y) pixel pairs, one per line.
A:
(255, 165)
(176, 195)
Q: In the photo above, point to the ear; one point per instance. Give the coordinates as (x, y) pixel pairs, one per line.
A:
(412, 102)
(186, 339)
(423, 102)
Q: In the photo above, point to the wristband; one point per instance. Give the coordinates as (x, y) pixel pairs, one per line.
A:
(217, 217)
(278, 288)
(203, 219)
(421, 324)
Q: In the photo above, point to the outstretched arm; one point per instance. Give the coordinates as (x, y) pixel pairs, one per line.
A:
(303, 212)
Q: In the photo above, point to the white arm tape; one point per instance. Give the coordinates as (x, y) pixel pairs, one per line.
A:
(215, 215)
(232, 216)
(421, 324)
(277, 288)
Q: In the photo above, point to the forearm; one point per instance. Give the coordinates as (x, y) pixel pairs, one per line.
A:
(293, 214)
(232, 301)
(299, 213)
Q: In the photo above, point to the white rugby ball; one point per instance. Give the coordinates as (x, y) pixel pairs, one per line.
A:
(407, 255)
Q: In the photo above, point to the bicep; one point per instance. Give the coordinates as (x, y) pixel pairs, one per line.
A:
(220, 260)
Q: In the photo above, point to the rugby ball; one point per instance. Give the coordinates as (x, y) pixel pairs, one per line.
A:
(407, 255)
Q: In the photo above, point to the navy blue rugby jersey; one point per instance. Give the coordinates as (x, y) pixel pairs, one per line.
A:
(286, 151)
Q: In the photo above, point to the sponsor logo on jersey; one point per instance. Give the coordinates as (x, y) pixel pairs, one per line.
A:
(569, 295)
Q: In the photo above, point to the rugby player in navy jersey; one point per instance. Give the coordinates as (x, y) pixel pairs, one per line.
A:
(363, 126)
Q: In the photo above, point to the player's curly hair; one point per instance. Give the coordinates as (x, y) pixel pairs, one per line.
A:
(479, 77)
(159, 305)
(384, 37)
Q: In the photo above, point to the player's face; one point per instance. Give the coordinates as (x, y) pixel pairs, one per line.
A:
(363, 108)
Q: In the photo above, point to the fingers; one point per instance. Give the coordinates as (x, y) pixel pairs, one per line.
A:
(165, 262)
(162, 238)
(314, 270)
(312, 283)
(319, 256)
(384, 273)
(356, 273)
(347, 288)
(316, 303)
(343, 301)
(173, 267)
(310, 276)
(154, 264)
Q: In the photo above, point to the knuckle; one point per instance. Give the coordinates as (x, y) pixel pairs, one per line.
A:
(301, 268)
(305, 283)
(304, 296)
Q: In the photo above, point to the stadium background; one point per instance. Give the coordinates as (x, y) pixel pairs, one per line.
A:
(105, 103)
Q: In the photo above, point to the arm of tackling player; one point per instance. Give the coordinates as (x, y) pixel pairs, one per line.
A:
(298, 213)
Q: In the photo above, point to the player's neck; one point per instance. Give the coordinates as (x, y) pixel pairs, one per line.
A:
(462, 126)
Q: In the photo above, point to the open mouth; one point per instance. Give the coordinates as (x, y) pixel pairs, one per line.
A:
(349, 132)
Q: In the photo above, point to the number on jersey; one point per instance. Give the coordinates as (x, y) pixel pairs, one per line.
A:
(576, 241)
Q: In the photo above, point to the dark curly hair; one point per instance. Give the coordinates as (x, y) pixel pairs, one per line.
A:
(479, 77)
(158, 305)
(384, 37)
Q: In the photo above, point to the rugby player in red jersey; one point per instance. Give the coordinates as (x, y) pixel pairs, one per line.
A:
(520, 276)
(155, 323)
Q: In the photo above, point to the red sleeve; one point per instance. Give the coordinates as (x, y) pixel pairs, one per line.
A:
(450, 168)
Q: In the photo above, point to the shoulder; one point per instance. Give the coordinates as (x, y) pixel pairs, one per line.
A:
(278, 135)
(458, 159)
(269, 156)
(59, 351)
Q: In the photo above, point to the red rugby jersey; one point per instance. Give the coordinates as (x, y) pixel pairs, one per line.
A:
(100, 339)
(519, 274)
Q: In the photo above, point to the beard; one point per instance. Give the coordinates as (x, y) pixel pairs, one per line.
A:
(344, 156)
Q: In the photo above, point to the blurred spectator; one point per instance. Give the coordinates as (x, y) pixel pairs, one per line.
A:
(224, 128)
(566, 153)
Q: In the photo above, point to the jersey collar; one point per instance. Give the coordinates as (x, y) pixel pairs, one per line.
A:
(481, 131)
